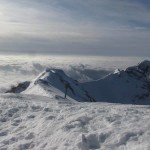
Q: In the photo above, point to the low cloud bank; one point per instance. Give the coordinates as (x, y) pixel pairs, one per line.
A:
(13, 74)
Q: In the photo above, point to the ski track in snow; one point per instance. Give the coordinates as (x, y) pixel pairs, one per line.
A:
(42, 123)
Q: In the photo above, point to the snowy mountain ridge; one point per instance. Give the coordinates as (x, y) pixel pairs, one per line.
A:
(57, 82)
(142, 70)
(129, 86)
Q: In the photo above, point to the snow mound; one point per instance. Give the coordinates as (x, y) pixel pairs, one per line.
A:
(126, 86)
(56, 82)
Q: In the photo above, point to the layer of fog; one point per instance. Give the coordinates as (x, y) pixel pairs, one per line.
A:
(14, 69)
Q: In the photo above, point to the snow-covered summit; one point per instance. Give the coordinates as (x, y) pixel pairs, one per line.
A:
(127, 86)
(140, 70)
(55, 81)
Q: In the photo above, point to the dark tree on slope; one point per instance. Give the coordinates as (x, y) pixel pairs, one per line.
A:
(67, 86)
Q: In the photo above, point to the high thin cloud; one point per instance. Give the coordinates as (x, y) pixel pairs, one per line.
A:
(110, 27)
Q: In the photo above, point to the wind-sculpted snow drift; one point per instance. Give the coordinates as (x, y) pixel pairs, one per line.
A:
(126, 86)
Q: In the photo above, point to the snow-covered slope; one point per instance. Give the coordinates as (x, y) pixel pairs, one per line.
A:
(127, 86)
(43, 123)
(130, 86)
(55, 81)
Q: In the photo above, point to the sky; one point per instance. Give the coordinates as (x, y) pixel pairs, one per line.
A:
(88, 27)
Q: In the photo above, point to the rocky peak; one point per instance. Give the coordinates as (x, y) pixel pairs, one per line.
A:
(141, 70)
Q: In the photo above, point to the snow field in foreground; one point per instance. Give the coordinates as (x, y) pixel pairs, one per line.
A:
(42, 123)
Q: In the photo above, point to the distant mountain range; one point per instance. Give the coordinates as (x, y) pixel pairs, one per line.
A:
(126, 86)
(129, 86)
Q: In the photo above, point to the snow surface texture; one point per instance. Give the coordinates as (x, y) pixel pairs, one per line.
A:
(42, 123)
